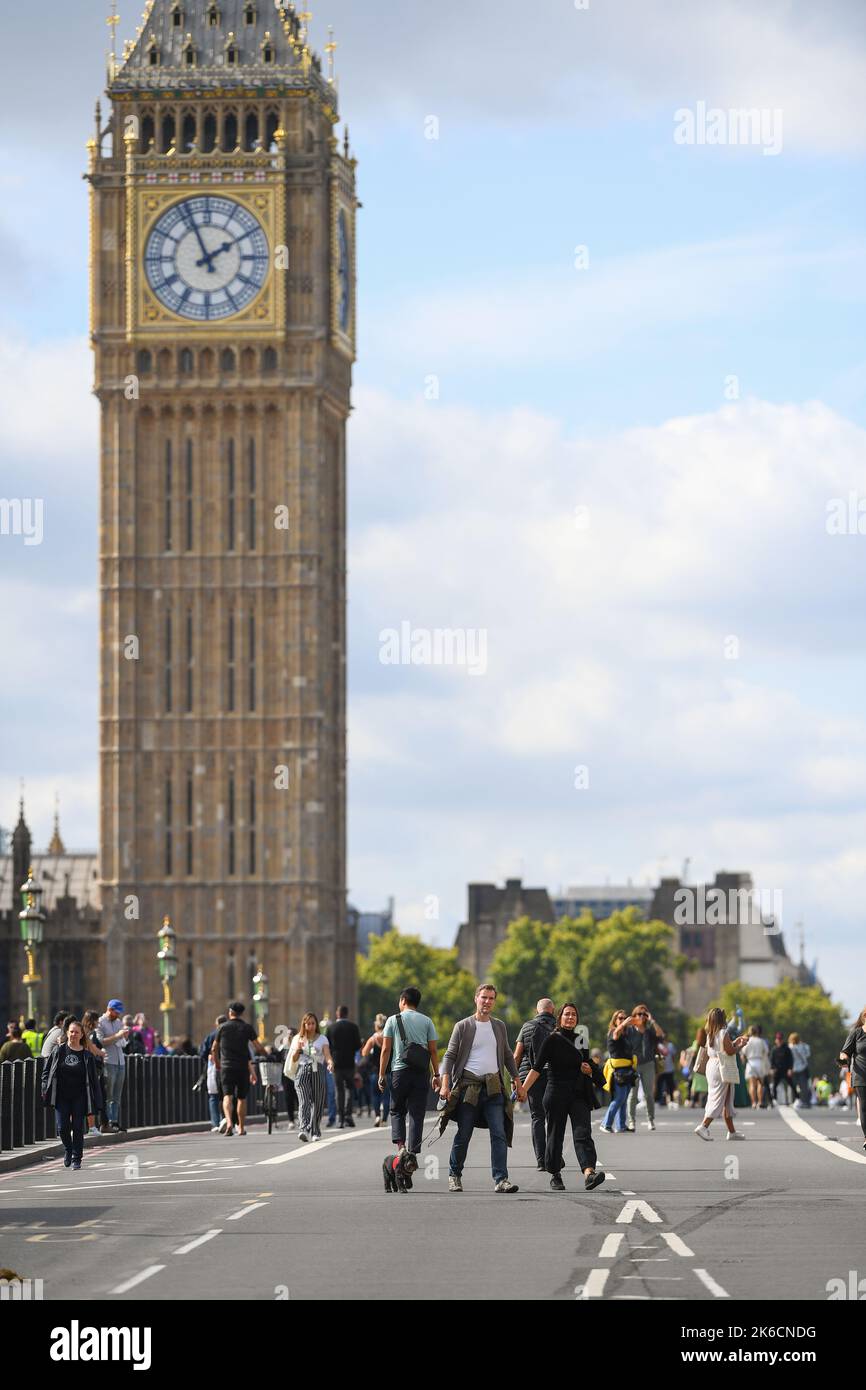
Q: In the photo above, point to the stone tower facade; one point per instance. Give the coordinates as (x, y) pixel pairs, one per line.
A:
(223, 327)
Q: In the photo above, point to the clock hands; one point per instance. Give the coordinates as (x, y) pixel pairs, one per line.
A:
(207, 258)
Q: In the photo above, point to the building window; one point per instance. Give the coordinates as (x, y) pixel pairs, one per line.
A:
(252, 830)
(145, 362)
(213, 16)
(249, 13)
(189, 133)
(230, 688)
(177, 17)
(189, 660)
(169, 636)
(251, 495)
(231, 978)
(230, 134)
(168, 133)
(269, 360)
(189, 56)
(231, 828)
(169, 815)
(187, 362)
(152, 54)
(188, 476)
(251, 130)
(272, 125)
(168, 488)
(267, 53)
(228, 361)
(189, 822)
(251, 671)
(148, 130)
(209, 136)
(230, 517)
(232, 55)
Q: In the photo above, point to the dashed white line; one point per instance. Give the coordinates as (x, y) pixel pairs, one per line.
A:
(677, 1244)
(137, 1279)
(314, 1148)
(709, 1283)
(594, 1286)
(194, 1244)
(236, 1215)
(611, 1245)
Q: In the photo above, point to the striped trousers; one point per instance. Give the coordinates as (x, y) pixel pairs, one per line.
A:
(312, 1093)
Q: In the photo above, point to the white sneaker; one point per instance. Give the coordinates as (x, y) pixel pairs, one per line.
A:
(704, 1133)
(736, 1135)
(315, 1139)
(221, 1127)
(605, 1129)
(215, 1129)
(290, 1125)
(652, 1124)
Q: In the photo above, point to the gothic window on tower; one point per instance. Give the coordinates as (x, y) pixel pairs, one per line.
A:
(230, 977)
(230, 132)
(148, 130)
(272, 125)
(269, 360)
(168, 133)
(228, 361)
(231, 52)
(213, 16)
(168, 488)
(251, 495)
(230, 684)
(267, 50)
(168, 689)
(231, 820)
(251, 673)
(144, 362)
(249, 13)
(169, 816)
(189, 55)
(188, 479)
(189, 661)
(230, 513)
(176, 16)
(187, 362)
(189, 822)
(153, 54)
(252, 830)
(189, 121)
(209, 133)
(251, 130)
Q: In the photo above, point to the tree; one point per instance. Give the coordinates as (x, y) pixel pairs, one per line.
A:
(791, 1007)
(396, 961)
(600, 966)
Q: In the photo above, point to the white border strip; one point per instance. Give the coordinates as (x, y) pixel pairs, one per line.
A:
(824, 1141)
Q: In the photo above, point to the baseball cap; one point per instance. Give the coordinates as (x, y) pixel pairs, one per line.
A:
(115, 1004)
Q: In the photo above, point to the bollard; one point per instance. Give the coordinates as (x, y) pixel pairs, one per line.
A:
(29, 1101)
(5, 1105)
(17, 1104)
(41, 1112)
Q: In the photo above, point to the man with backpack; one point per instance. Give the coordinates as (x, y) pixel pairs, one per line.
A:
(409, 1046)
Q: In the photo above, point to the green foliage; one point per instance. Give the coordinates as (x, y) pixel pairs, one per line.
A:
(792, 1008)
(395, 961)
(600, 966)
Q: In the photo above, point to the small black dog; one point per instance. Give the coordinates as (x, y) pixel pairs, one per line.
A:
(397, 1171)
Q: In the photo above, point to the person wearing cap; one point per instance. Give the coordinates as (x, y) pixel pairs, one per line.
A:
(112, 1034)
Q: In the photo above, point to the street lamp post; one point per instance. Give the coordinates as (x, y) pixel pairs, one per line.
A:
(260, 1002)
(167, 957)
(32, 922)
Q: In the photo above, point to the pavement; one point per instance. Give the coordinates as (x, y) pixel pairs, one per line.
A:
(202, 1216)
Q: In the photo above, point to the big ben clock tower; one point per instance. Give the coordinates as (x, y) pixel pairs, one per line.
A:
(223, 325)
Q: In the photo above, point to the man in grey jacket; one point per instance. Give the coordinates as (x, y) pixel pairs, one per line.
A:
(529, 1041)
(472, 1070)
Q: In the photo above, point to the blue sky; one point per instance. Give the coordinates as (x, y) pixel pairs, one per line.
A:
(605, 387)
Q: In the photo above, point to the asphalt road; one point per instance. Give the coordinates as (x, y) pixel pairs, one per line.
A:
(265, 1217)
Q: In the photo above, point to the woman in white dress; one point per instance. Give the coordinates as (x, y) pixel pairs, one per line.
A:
(722, 1075)
(309, 1049)
(757, 1055)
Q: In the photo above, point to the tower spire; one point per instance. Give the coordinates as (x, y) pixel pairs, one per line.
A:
(112, 21)
(330, 49)
(56, 846)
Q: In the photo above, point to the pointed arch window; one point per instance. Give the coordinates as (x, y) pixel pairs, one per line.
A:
(231, 490)
(186, 361)
(213, 16)
(249, 12)
(169, 481)
(153, 54)
(188, 480)
(267, 47)
(231, 820)
(209, 133)
(232, 51)
(251, 495)
(231, 645)
(189, 822)
(189, 52)
(177, 16)
(169, 817)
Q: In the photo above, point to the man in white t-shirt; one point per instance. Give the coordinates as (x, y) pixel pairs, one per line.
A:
(472, 1069)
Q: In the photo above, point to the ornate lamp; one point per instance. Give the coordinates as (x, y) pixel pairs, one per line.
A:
(260, 1002)
(167, 958)
(32, 923)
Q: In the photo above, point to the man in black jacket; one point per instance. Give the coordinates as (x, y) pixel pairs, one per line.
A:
(344, 1040)
(529, 1040)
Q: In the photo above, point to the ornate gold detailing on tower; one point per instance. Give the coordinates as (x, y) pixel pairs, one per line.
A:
(112, 21)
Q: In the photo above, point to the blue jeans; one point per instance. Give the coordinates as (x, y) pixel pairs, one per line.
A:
(331, 1085)
(114, 1079)
(492, 1108)
(214, 1107)
(379, 1098)
(616, 1109)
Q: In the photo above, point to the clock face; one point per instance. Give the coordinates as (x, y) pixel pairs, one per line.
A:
(343, 273)
(206, 258)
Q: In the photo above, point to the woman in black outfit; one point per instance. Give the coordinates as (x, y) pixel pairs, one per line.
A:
(854, 1052)
(569, 1096)
(70, 1083)
(782, 1068)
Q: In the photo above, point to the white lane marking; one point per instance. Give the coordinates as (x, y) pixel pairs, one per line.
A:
(130, 1182)
(709, 1283)
(611, 1245)
(799, 1126)
(193, 1244)
(649, 1259)
(677, 1244)
(236, 1215)
(594, 1286)
(314, 1148)
(137, 1279)
(627, 1193)
(639, 1208)
(657, 1278)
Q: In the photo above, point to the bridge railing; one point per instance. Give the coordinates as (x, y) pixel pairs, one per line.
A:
(157, 1091)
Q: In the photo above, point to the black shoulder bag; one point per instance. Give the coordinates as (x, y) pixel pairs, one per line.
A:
(416, 1057)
